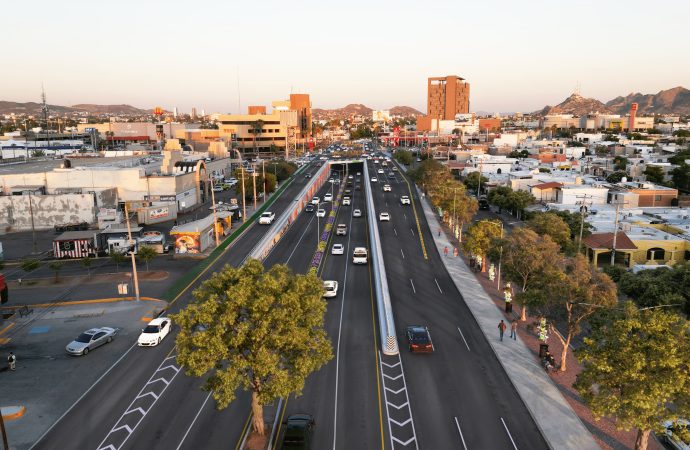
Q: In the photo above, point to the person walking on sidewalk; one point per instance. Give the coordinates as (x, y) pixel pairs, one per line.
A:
(445, 250)
(501, 328)
(12, 361)
(455, 252)
(513, 329)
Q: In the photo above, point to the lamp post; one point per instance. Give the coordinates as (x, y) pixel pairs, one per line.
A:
(135, 277)
(215, 208)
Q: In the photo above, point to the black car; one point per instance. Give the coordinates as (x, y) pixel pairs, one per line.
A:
(298, 432)
(483, 204)
(419, 339)
(307, 175)
(309, 208)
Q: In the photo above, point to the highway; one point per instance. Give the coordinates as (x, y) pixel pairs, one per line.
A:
(459, 396)
(145, 400)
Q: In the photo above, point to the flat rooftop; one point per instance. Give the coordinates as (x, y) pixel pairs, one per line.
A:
(47, 165)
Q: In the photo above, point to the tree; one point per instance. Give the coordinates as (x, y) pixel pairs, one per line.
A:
(525, 257)
(517, 201)
(257, 330)
(118, 258)
(146, 253)
(572, 293)
(616, 177)
(620, 163)
(655, 174)
(281, 169)
(659, 287)
(403, 157)
(551, 224)
(56, 267)
(86, 262)
(681, 177)
(29, 265)
(499, 197)
(472, 181)
(480, 237)
(635, 365)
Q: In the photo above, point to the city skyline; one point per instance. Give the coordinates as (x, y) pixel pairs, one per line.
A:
(519, 60)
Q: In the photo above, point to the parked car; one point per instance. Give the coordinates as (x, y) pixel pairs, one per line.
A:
(419, 339)
(154, 332)
(299, 429)
(337, 249)
(91, 339)
(676, 433)
(330, 288)
(384, 217)
(267, 218)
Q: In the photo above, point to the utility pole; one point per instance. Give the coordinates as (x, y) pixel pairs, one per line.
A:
(244, 199)
(215, 215)
(33, 228)
(479, 183)
(583, 212)
(615, 233)
(254, 184)
(135, 277)
(263, 169)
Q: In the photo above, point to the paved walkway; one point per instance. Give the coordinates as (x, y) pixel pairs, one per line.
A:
(559, 424)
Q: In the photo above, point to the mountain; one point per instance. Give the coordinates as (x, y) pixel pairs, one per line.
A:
(34, 109)
(576, 105)
(670, 101)
(357, 109)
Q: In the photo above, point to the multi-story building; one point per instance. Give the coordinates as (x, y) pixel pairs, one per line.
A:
(447, 96)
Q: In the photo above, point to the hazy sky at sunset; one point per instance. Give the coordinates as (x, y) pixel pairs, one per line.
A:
(518, 56)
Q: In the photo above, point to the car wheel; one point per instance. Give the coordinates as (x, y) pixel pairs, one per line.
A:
(159, 341)
(86, 351)
(110, 339)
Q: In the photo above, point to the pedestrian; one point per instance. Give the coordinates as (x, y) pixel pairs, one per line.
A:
(455, 252)
(445, 250)
(513, 330)
(19, 281)
(12, 361)
(501, 328)
(439, 232)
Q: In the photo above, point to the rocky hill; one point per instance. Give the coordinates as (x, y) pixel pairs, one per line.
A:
(34, 109)
(110, 109)
(31, 108)
(670, 101)
(405, 111)
(357, 109)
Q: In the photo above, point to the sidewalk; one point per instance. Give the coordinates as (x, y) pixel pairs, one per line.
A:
(560, 426)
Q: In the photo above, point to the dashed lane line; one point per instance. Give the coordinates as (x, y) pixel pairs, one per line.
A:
(462, 438)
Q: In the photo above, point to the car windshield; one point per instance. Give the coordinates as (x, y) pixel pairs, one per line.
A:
(84, 338)
(152, 329)
(419, 335)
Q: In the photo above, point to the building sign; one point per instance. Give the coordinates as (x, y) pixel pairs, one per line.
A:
(187, 243)
(160, 198)
(158, 213)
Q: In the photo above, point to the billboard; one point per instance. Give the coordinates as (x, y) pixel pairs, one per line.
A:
(188, 243)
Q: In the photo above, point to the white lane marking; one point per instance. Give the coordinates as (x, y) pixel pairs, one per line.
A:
(403, 254)
(300, 240)
(463, 338)
(405, 420)
(457, 424)
(395, 231)
(511, 437)
(412, 283)
(412, 231)
(405, 215)
(437, 285)
(84, 395)
(194, 421)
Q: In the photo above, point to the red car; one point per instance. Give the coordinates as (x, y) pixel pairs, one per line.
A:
(419, 339)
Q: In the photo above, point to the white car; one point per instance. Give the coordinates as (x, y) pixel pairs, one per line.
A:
(387, 188)
(320, 213)
(384, 217)
(346, 201)
(315, 200)
(357, 213)
(330, 288)
(349, 177)
(374, 179)
(337, 249)
(341, 230)
(359, 256)
(154, 332)
(267, 218)
(380, 171)
(404, 200)
(328, 197)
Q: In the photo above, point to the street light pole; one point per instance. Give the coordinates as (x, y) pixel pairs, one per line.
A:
(244, 199)
(135, 277)
(215, 208)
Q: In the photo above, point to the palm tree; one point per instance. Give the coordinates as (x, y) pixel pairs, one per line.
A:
(257, 127)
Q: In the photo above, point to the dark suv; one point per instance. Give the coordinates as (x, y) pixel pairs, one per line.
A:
(298, 432)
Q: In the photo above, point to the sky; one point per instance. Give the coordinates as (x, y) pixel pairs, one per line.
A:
(517, 56)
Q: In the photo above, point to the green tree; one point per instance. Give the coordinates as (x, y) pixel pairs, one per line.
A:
(620, 163)
(616, 177)
(517, 201)
(29, 265)
(636, 369)
(499, 197)
(525, 257)
(480, 237)
(680, 157)
(552, 225)
(403, 157)
(118, 258)
(574, 221)
(570, 294)
(281, 169)
(56, 267)
(658, 287)
(146, 253)
(257, 330)
(257, 128)
(655, 174)
(681, 177)
(472, 181)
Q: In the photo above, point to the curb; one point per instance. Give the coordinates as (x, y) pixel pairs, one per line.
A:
(12, 412)
(81, 302)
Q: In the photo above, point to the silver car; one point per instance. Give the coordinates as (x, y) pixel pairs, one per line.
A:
(90, 339)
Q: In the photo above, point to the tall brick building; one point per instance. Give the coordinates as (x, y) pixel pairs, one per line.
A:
(448, 96)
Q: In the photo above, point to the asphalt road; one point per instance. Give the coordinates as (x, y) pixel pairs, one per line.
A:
(460, 397)
(146, 401)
